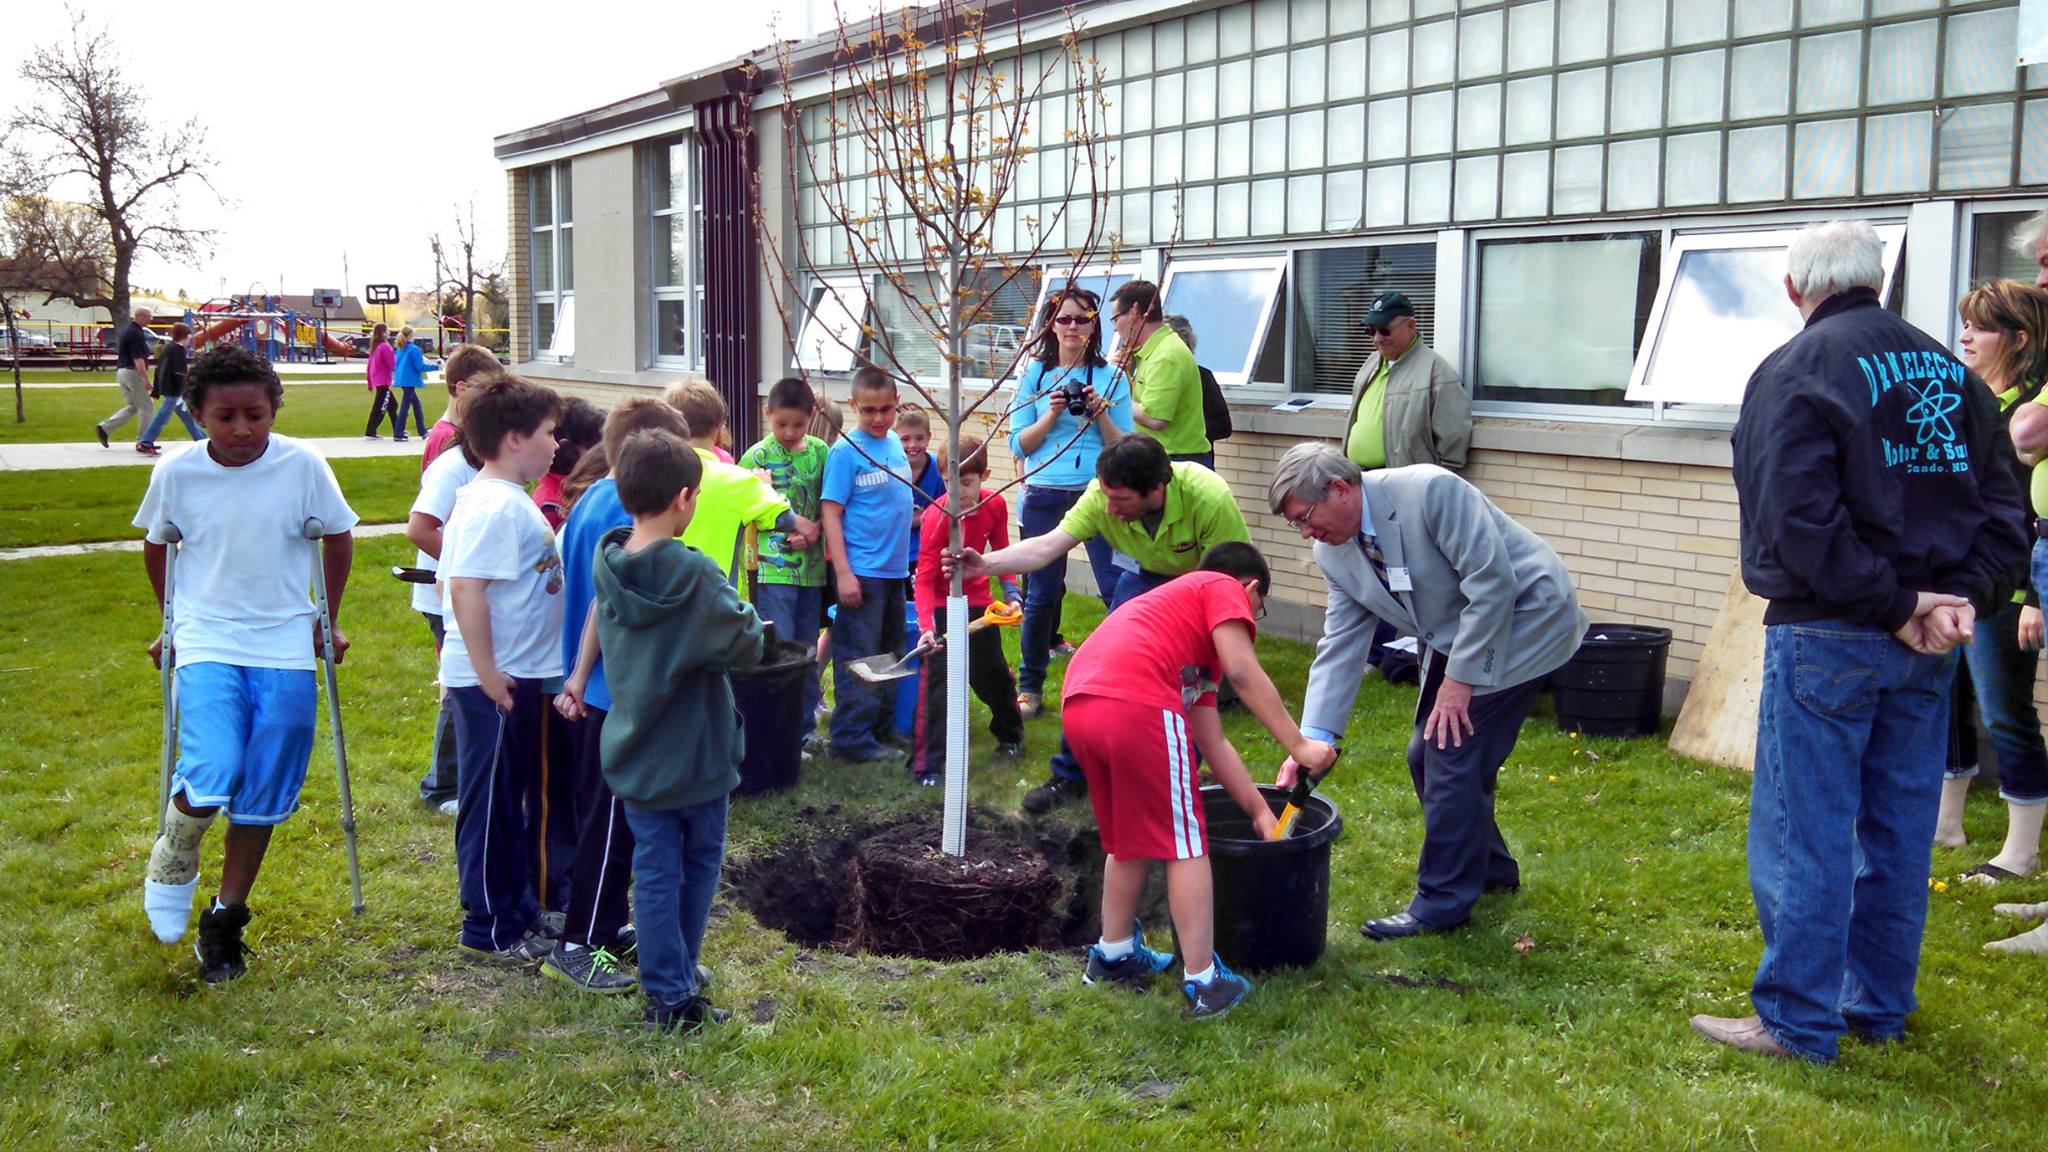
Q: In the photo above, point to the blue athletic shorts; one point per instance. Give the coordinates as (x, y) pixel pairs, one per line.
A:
(244, 735)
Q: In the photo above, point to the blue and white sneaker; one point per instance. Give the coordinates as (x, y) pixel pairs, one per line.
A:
(1134, 971)
(1218, 996)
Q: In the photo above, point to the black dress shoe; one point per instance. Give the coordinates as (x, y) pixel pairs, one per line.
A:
(1395, 927)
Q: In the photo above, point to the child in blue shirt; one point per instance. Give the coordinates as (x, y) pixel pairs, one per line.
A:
(865, 505)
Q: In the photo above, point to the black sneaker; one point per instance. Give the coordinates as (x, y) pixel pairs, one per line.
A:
(1218, 996)
(1054, 792)
(626, 945)
(531, 947)
(591, 969)
(1009, 751)
(1134, 970)
(883, 755)
(222, 955)
(551, 924)
(102, 434)
(689, 1015)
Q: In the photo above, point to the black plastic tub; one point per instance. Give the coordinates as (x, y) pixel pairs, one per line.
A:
(1614, 686)
(771, 704)
(1272, 897)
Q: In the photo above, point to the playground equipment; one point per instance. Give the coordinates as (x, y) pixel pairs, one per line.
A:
(271, 332)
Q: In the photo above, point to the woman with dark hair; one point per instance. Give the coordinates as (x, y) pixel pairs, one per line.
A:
(580, 429)
(2005, 342)
(1070, 405)
(378, 379)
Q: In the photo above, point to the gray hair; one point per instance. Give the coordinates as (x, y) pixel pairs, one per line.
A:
(2027, 238)
(1307, 471)
(1834, 257)
(1181, 328)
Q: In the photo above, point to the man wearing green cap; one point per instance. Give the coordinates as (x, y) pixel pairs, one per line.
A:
(1407, 404)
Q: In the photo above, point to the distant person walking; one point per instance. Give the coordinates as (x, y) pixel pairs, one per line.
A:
(378, 379)
(170, 388)
(409, 370)
(131, 372)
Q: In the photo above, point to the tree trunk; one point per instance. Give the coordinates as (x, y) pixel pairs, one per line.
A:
(953, 832)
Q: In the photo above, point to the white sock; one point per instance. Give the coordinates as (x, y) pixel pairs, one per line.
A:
(2022, 850)
(2034, 942)
(1202, 977)
(173, 874)
(1948, 826)
(1115, 950)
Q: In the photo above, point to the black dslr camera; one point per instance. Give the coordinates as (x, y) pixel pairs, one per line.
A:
(1075, 393)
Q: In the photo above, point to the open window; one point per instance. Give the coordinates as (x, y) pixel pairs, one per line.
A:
(1230, 304)
(562, 343)
(835, 312)
(1721, 309)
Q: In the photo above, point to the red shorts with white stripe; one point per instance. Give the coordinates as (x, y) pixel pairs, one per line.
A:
(1140, 764)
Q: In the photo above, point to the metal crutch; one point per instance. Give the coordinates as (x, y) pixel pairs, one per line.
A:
(167, 674)
(313, 530)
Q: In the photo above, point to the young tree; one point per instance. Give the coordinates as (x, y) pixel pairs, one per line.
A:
(94, 183)
(914, 159)
(462, 276)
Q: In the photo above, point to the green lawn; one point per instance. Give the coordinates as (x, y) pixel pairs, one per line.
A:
(372, 1033)
(78, 505)
(335, 408)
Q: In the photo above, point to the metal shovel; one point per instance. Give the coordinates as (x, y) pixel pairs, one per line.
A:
(882, 668)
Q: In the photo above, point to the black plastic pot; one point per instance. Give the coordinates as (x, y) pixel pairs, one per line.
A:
(771, 704)
(1272, 897)
(1614, 686)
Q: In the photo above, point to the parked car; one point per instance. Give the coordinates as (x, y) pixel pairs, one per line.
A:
(109, 337)
(32, 344)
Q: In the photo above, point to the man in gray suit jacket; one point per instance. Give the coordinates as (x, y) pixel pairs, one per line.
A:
(1493, 611)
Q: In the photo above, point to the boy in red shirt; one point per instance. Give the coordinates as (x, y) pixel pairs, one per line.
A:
(1136, 688)
(988, 670)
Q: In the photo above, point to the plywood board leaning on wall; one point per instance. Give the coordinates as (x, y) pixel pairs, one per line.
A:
(1718, 722)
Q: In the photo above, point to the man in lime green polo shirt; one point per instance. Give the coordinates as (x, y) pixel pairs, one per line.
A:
(1162, 513)
(1166, 387)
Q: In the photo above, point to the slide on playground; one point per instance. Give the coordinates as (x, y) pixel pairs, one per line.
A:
(216, 331)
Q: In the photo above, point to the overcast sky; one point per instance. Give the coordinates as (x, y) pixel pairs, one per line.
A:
(336, 133)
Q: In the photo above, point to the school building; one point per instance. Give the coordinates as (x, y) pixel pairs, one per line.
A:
(1587, 200)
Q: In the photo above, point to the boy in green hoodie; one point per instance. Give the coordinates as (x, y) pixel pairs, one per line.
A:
(670, 628)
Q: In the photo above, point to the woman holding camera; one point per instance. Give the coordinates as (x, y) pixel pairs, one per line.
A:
(1070, 404)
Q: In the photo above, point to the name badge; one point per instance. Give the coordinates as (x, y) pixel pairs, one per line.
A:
(1398, 581)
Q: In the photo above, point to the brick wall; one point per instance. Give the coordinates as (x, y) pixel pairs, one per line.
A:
(518, 266)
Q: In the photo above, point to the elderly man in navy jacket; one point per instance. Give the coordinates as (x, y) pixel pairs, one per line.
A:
(1879, 514)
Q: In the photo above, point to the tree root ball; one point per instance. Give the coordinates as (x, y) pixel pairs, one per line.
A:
(907, 898)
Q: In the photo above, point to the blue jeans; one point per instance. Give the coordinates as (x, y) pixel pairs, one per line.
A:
(1850, 738)
(794, 611)
(411, 403)
(1129, 586)
(2003, 675)
(1205, 459)
(171, 404)
(1046, 588)
(677, 854)
(863, 714)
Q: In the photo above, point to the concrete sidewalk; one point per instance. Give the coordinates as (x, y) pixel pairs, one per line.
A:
(24, 457)
(135, 545)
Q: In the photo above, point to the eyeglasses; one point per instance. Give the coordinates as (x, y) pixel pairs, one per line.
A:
(1117, 317)
(1261, 613)
(1301, 521)
(1085, 318)
(1376, 333)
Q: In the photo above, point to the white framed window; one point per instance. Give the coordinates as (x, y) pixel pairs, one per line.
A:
(1330, 290)
(674, 223)
(1559, 318)
(834, 320)
(1230, 304)
(1101, 279)
(551, 240)
(1721, 308)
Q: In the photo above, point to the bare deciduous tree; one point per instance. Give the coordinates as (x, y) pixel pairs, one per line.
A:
(913, 160)
(461, 271)
(92, 183)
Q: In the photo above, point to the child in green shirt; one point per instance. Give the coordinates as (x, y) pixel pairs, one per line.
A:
(791, 585)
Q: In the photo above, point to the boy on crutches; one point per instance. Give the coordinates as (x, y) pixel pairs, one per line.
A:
(244, 638)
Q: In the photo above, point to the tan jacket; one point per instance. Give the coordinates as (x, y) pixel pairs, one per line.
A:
(1429, 417)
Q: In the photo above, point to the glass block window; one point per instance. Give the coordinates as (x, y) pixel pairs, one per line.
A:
(1559, 320)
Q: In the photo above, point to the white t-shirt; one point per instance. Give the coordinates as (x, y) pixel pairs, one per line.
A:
(242, 584)
(438, 486)
(497, 533)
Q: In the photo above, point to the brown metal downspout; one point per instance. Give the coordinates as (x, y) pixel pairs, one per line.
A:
(725, 161)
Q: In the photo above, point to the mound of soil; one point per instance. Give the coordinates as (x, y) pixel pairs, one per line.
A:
(908, 898)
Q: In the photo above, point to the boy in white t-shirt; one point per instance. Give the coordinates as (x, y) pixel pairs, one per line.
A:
(423, 527)
(501, 591)
(245, 637)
